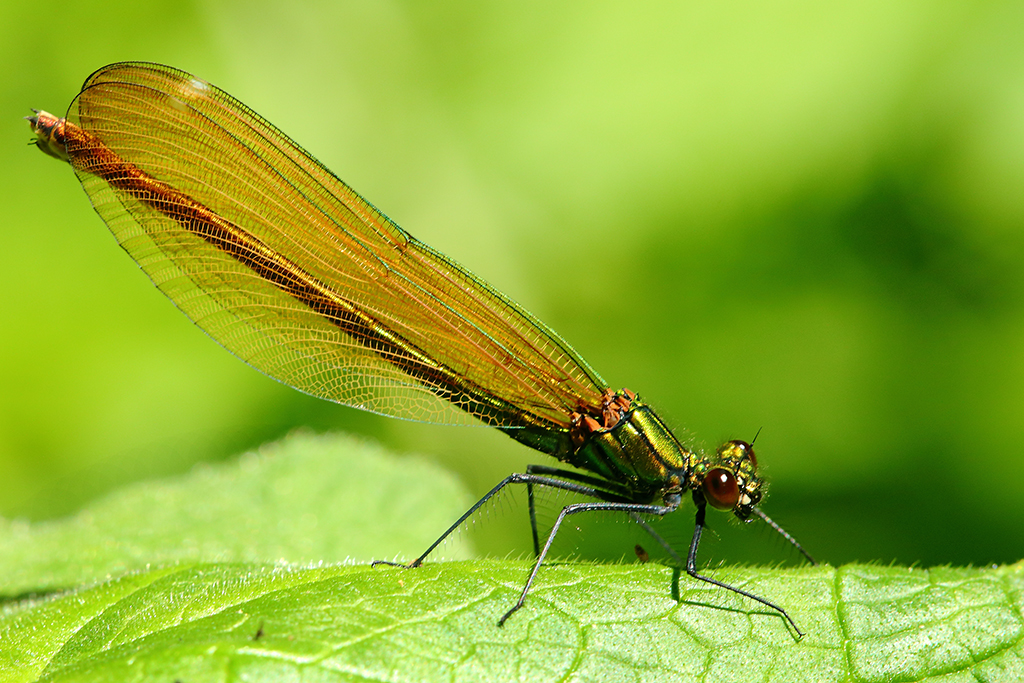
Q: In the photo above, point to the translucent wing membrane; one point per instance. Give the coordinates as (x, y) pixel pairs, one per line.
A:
(293, 272)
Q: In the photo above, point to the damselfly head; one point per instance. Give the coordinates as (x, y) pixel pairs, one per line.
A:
(732, 483)
(49, 132)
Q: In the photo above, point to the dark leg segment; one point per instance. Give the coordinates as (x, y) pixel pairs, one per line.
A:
(533, 512)
(599, 484)
(529, 479)
(785, 534)
(632, 508)
(691, 565)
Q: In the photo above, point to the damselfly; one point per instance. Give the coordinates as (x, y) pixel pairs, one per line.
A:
(296, 274)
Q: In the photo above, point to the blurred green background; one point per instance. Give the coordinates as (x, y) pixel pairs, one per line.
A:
(795, 216)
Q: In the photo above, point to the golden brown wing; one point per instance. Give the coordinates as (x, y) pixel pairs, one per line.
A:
(296, 274)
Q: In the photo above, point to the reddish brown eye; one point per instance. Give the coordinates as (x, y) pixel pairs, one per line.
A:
(720, 489)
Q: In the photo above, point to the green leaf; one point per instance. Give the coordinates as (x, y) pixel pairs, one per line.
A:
(200, 580)
(219, 622)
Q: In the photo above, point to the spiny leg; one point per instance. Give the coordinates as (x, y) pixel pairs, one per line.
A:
(785, 534)
(691, 565)
(529, 479)
(692, 558)
(632, 508)
(598, 484)
(579, 477)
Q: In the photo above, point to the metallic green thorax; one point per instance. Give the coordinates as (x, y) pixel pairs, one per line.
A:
(639, 452)
(642, 455)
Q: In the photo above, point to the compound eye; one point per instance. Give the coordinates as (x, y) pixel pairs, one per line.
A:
(721, 489)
